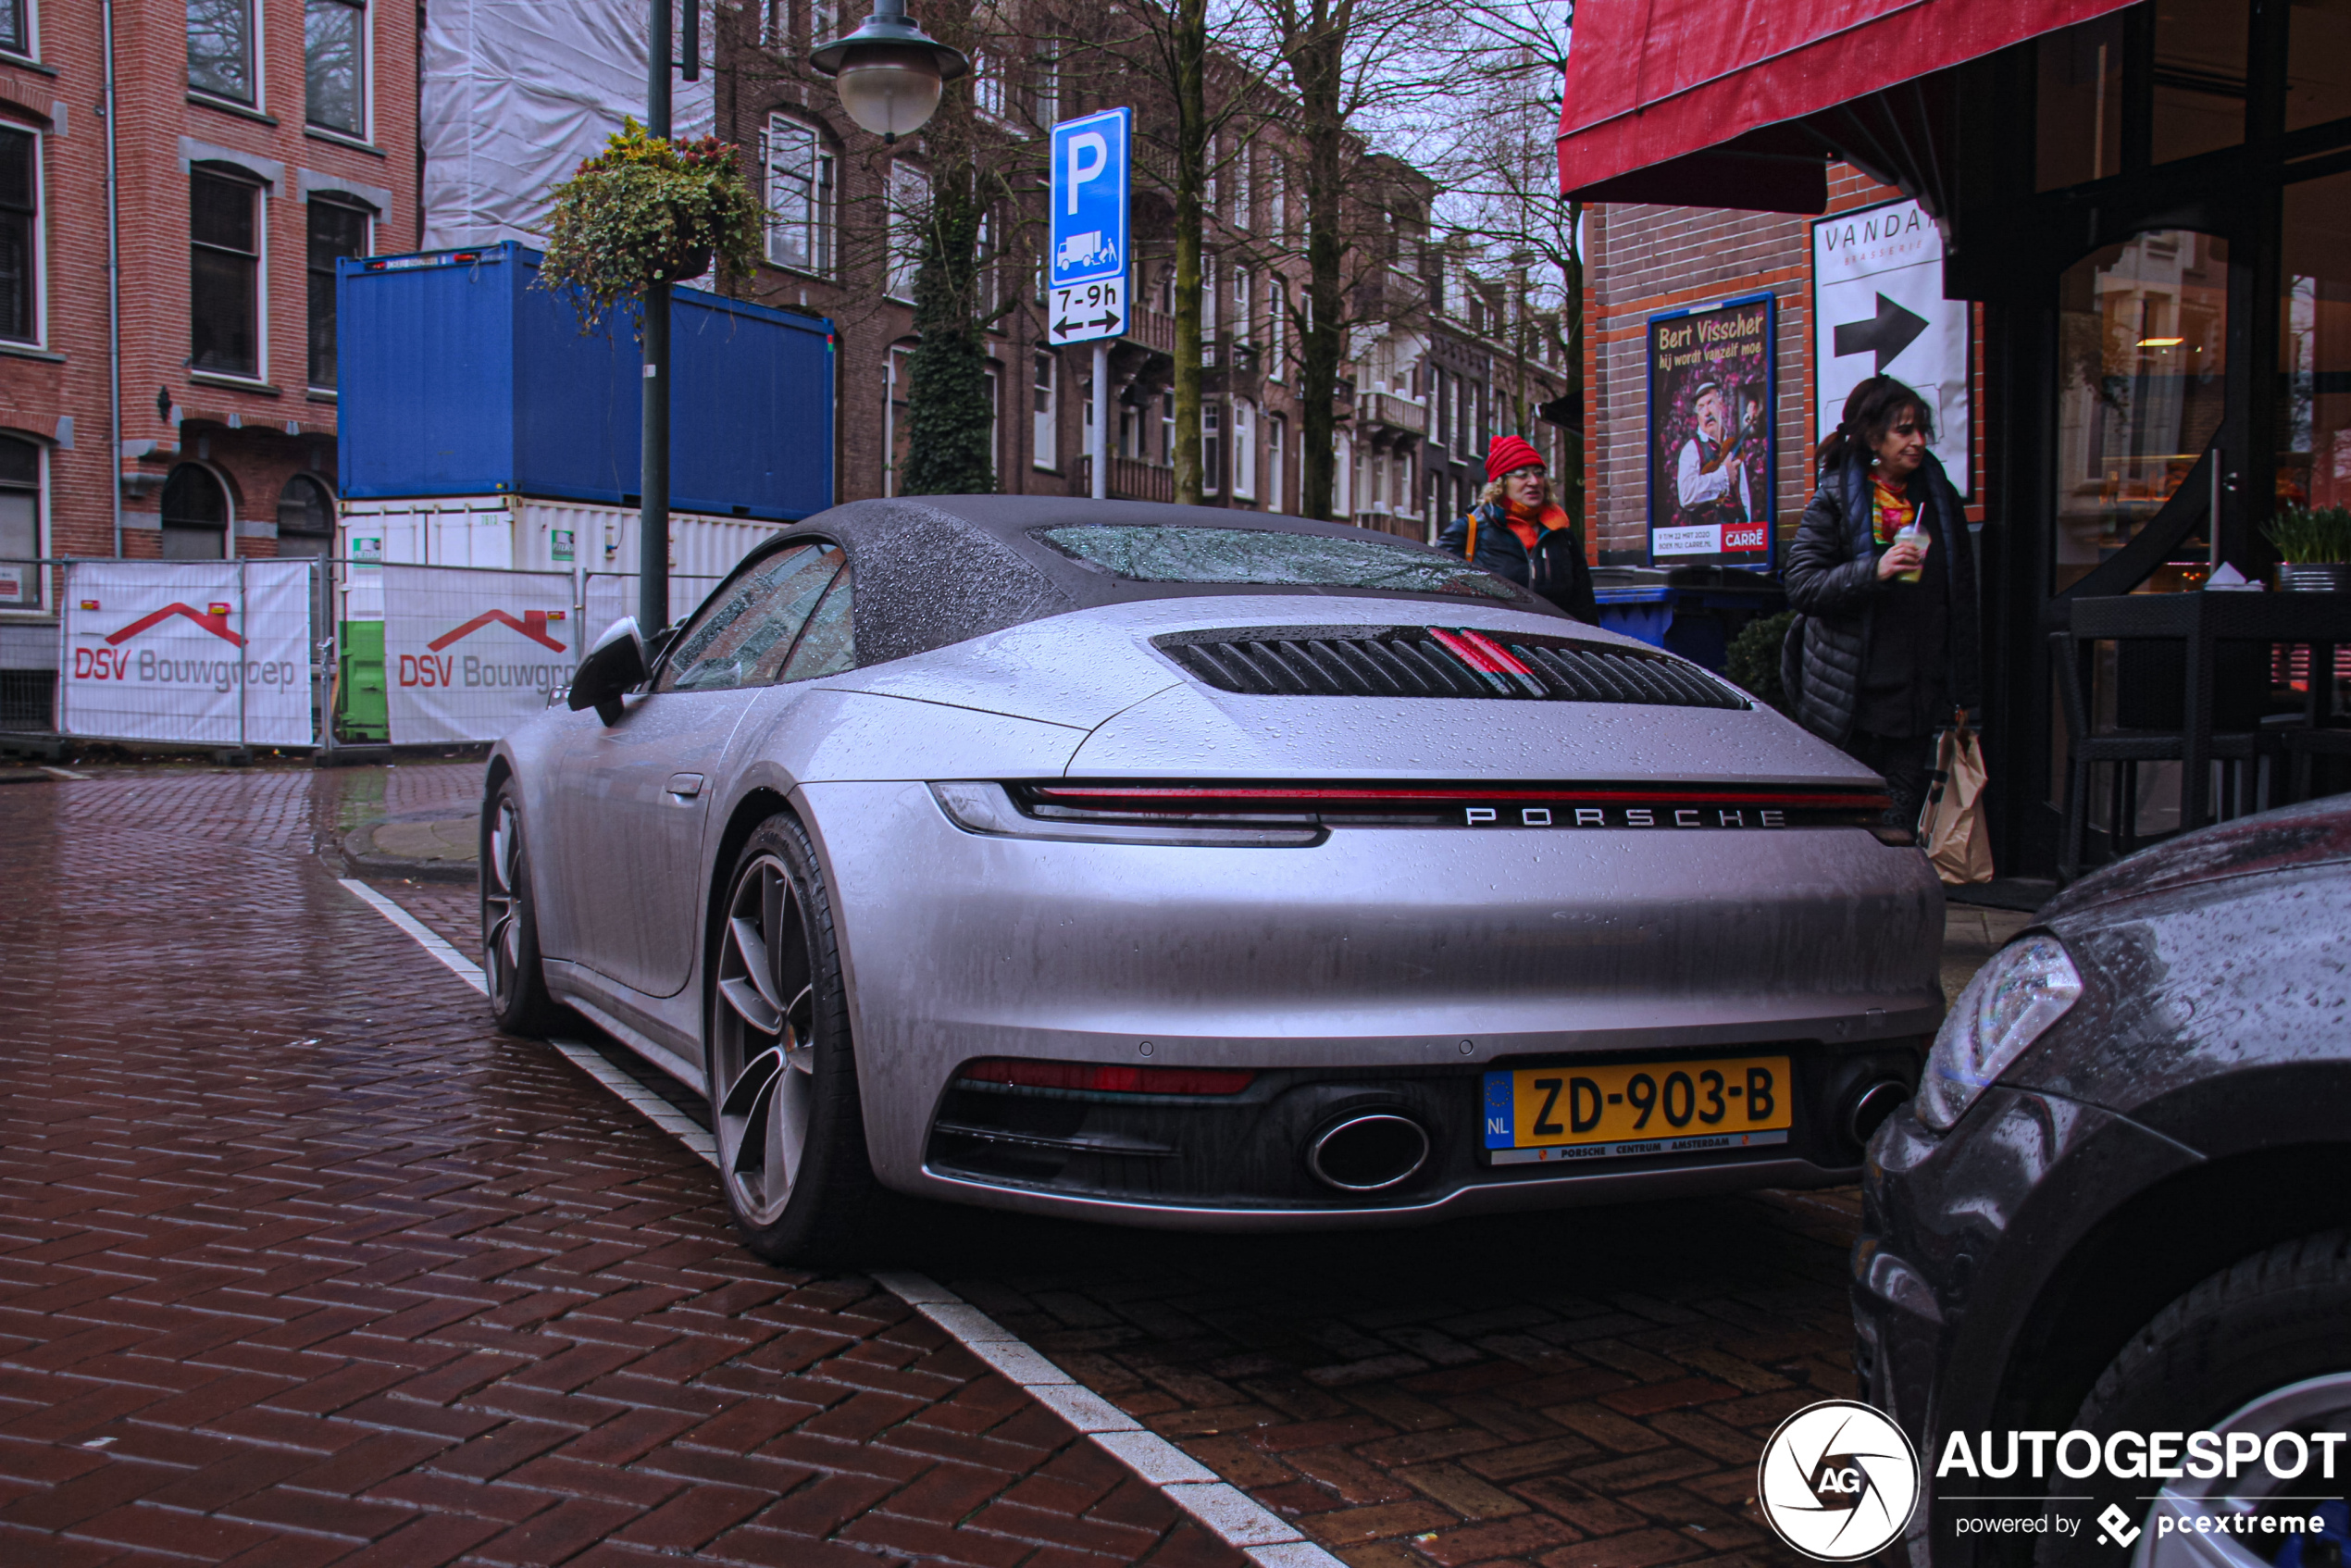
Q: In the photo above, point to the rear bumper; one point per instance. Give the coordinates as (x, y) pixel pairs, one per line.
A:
(1391, 963)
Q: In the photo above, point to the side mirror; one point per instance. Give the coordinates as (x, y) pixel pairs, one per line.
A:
(616, 664)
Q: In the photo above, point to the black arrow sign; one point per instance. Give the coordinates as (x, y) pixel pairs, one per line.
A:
(1064, 327)
(1889, 332)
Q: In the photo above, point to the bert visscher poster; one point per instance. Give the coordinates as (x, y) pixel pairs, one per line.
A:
(1711, 435)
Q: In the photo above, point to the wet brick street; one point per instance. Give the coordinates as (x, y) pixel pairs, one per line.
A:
(301, 1262)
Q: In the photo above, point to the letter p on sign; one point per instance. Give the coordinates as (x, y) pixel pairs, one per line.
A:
(1081, 166)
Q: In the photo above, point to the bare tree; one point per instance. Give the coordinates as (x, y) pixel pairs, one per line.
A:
(1495, 155)
(1361, 73)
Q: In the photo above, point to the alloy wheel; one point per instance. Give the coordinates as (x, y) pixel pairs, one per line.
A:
(501, 896)
(764, 1059)
(2317, 1404)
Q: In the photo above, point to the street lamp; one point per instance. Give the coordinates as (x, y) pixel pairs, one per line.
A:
(890, 71)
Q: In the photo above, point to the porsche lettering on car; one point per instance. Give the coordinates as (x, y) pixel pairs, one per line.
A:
(1189, 867)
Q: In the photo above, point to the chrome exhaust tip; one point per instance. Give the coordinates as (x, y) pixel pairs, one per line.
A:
(1369, 1152)
(1872, 1106)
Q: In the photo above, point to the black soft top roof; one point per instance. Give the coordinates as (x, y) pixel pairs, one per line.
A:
(934, 570)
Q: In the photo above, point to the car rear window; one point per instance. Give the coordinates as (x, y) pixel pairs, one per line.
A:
(1263, 556)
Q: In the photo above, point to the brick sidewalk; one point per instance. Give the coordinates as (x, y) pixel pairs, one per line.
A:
(300, 1265)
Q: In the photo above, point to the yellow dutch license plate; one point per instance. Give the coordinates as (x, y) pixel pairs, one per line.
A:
(1599, 1112)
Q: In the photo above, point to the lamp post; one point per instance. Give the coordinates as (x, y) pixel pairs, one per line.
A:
(653, 503)
(889, 72)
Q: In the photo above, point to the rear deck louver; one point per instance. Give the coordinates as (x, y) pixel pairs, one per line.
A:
(1430, 660)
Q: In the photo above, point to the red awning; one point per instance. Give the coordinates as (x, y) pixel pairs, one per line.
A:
(1655, 83)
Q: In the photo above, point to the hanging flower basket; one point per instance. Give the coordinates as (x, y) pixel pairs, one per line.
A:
(646, 210)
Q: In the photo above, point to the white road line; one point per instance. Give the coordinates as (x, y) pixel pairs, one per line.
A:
(459, 964)
(651, 1106)
(1229, 1514)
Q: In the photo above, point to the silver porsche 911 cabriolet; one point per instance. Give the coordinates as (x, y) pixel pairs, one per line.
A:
(1192, 867)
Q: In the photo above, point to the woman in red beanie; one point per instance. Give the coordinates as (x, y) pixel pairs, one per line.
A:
(1519, 532)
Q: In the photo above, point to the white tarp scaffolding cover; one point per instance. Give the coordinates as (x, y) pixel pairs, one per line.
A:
(470, 654)
(517, 92)
(208, 653)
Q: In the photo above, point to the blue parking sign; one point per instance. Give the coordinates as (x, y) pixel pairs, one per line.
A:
(1089, 196)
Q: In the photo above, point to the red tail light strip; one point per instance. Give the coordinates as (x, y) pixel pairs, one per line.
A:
(1095, 1078)
(1182, 797)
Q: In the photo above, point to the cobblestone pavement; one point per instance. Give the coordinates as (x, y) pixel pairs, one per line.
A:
(301, 1264)
(1584, 1390)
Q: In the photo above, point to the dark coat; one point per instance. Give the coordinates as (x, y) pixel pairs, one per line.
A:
(1833, 583)
(1556, 569)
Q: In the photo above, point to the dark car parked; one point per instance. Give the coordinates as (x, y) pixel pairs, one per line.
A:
(2119, 1205)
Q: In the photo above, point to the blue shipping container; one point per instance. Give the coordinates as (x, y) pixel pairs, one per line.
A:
(459, 375)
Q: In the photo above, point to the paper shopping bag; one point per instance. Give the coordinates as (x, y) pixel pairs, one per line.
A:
(1952, 829)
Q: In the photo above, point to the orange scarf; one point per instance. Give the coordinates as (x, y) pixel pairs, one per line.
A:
(1891, 507)
(1529, 522)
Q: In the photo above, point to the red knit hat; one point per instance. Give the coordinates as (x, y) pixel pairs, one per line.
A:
(1511, 453)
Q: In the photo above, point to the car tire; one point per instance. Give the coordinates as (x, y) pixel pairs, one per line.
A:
(784, 1104)
(2214, 1360)
(512, 967)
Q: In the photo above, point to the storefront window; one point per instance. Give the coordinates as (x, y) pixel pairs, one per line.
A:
(2318, 62)
(2199, 76)
(2143, 332)
(2314, 345)
(2078, 134)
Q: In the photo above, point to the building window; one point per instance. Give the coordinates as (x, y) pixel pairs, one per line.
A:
(994, 374)
(1045, 88)
(1244, 450)
(335, 232)
(1207, 310)
(1212, 449)
(1167, 428)
(909, 216)
(824, 21)
(306, 519)
(1045, 441)
(19, 237)
(1243, 280)
(800, 193)
(1276, 492)
(195, 516)
(15, 27)
(19, 524)
(987, 84)
(1276, 328)
(224, 313)
(220, 48)
(989, 278)
(1277, 199)
(896, 402)
(334, 37)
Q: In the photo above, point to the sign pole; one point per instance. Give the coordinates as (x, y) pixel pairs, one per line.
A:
(653, 506)
(1100, 454)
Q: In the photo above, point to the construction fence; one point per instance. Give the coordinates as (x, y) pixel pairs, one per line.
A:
(315, 652)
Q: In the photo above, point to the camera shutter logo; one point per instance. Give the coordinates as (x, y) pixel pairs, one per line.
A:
(1837, 1481)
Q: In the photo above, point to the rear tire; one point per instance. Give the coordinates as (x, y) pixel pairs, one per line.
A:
(784, 1102)
(510, 959)
(2213, 1359)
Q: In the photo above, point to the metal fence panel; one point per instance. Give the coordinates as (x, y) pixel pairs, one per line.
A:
(202, 651)
(470, 654)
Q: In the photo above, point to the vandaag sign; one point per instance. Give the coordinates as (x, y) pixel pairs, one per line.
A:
(469, 654)
(203, 653)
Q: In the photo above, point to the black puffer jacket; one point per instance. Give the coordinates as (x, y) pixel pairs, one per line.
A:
(1832, 580)
(1556, 568)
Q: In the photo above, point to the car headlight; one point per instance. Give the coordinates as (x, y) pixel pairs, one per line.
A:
(2010, 1004)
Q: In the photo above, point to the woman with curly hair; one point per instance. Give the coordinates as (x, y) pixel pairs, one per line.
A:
(1518, 531)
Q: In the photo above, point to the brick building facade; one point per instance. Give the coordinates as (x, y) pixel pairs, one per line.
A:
(1646, 259)
(255, 141)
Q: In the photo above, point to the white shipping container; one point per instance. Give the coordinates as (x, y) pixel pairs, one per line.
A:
(598, 544)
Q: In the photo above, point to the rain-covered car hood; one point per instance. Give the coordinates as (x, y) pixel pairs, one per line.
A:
(2294, 838)
(1097, 670)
